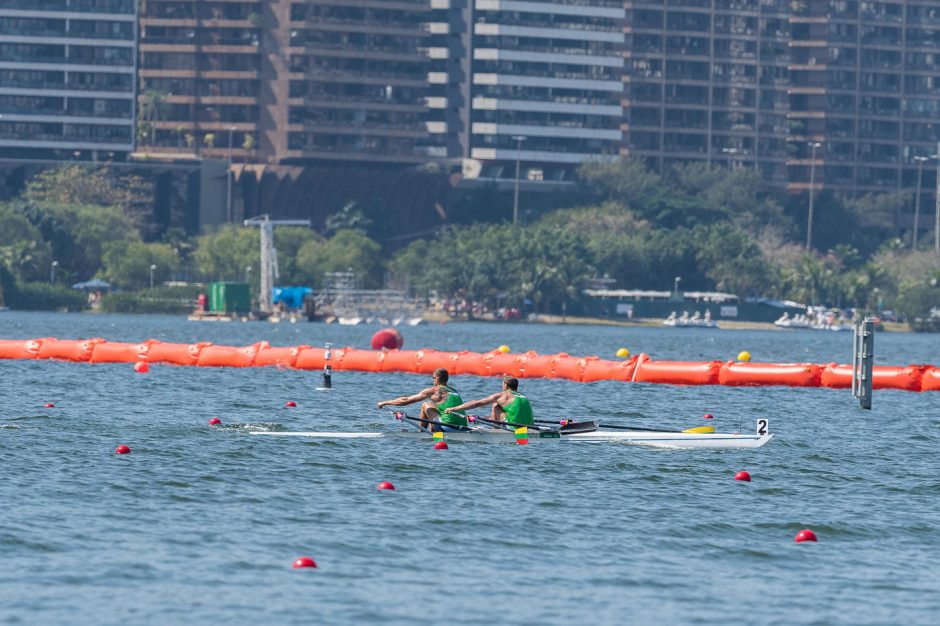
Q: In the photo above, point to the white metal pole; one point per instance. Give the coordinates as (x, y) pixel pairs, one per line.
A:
(812, 187)
(920, 175)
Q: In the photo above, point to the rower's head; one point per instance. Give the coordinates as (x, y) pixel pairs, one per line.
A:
(440, 376)
(510, 383)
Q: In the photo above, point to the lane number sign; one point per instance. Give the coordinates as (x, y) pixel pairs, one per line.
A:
(763, 426)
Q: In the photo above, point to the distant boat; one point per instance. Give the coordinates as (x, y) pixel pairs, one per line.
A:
(696, 321)
(349, 321)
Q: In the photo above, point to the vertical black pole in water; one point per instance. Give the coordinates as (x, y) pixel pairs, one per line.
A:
(327, 369)
(863, 354)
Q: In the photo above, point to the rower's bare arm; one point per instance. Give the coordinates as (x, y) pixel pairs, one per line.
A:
(474, 403)
(406, 400)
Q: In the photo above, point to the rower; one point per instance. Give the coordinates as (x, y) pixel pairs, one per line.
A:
(438, 404)
(509, 405)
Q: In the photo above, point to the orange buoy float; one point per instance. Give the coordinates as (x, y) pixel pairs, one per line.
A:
(141, 367)
(805, 535)
(302, 562)
(385, 486)
(215, 421)
(743, 476)
(122, 449)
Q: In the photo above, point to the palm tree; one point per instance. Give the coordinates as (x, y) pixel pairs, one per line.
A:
(152, 108)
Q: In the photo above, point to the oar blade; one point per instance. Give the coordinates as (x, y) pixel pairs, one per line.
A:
(700, 430)
(522, 435)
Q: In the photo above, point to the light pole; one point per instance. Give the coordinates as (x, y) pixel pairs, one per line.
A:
(920, 173)
(812, 187)
(228, 176)
(152, 268)
(515, 197)
(248, 274)
(55, 264)
(675, 287)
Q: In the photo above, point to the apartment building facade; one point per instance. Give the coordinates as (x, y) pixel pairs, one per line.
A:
(842, 92)
(67, 79)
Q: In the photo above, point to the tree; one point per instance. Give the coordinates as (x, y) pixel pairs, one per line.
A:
(127, 263)
(225, 254)
(288, 240)
(23, 251)
(153, 108)
(347, 218)
(347, 250)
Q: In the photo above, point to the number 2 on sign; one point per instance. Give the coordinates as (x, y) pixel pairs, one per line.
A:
(763, 426)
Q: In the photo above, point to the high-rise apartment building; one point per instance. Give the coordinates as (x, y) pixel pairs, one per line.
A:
(67, 79)
(543, 85)
(758, 83)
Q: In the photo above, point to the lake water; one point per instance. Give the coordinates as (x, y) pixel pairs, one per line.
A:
(200, 525)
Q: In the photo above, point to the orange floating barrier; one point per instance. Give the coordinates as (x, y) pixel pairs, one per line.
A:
(677, 372)
(737, 373)
(277, 357)
(78, 350)
(930, 379)
(472, 364)
(311, 359)
(507, 364)
(119, 352)
(429, 360)
(361, 360)
(569, 367)
(20, 348)
(399, 361)
(227, 356)
(176, 353)
(530, 364)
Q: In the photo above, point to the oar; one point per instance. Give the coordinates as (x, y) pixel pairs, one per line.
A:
(424, 420)
(696, 429)
(512, 427)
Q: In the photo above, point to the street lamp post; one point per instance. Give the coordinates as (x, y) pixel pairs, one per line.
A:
(812, 187)
(515, 197)
(55, 264)
(248, 274)
(228, 176)
(152, 268)
(675, 287)
(920, 173)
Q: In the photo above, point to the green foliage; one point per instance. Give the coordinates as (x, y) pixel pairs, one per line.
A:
(127, 263)
(347, 218)
(163, 300)
(347, 250)
(23, 251)
(36, 296)
(225, 254)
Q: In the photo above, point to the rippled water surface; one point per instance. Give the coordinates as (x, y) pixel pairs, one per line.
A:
(200, 525)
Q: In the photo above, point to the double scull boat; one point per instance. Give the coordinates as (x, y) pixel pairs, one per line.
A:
(599, 435)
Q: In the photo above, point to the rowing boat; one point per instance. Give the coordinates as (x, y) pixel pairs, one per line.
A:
(492, 435)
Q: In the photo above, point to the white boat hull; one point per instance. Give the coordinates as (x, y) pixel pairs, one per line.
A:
(486, 435)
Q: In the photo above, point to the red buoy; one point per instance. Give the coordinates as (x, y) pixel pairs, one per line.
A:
(215, 421)
(122, 449)
(440, 445)
(304, 561)
(805, 535)
(387, 339)
(48, 405)
(708, 416)
(290, 404)
(743, 476)
(141, 367)
(386, 485)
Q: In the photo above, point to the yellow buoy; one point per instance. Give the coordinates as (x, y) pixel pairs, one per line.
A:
(744, 355)
(503, 348)
(623, 353)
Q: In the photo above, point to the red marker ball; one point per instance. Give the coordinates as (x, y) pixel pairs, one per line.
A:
(709, 416)
(48, 405)
(440, 445)
(743, 476)
(304, 561)
(122, 449)
(290, 404)
(386, 485)
(805, 535)
(141, 367)
(215, 421)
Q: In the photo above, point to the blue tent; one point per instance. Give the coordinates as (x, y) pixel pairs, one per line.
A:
(291, 297)
(94, 283)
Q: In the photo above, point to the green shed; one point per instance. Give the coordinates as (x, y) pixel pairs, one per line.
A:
(229, 297)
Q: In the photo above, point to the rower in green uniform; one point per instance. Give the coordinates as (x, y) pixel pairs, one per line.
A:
(509, 405)
(438, 404)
